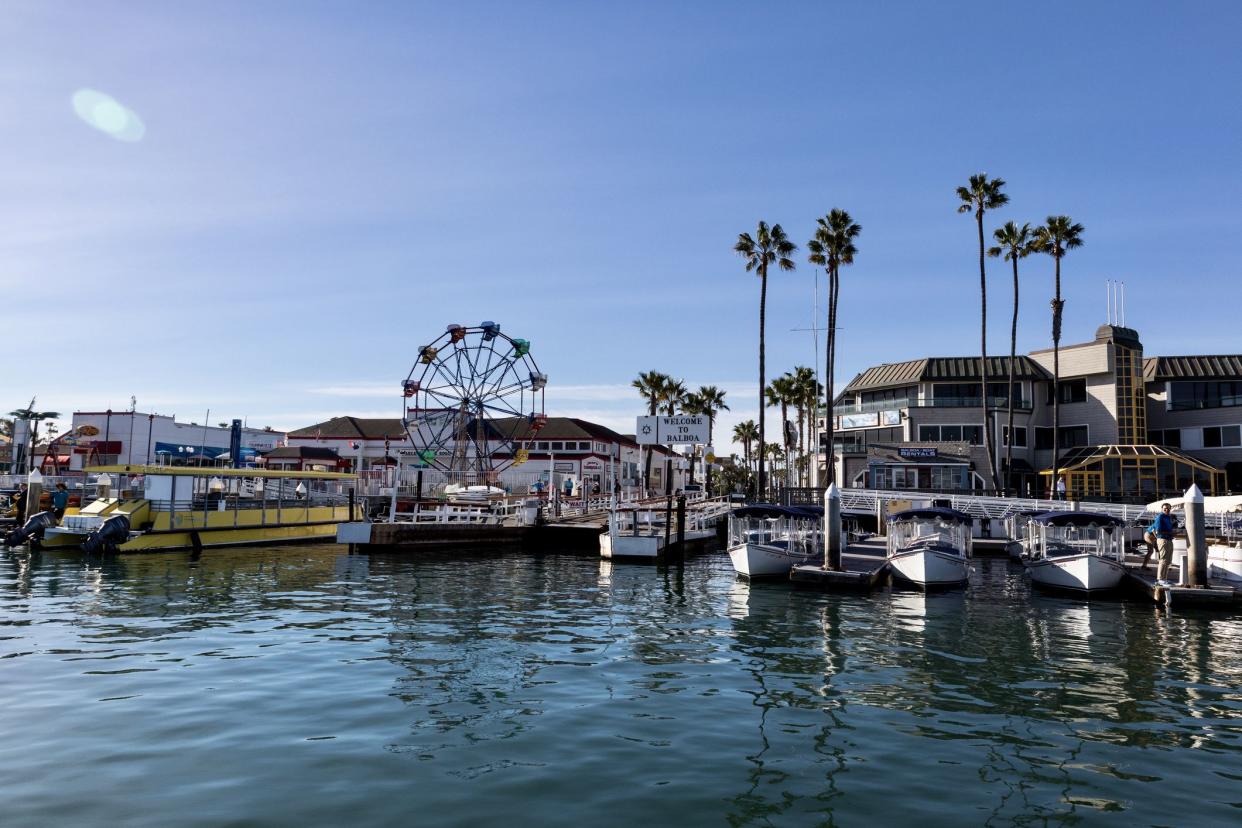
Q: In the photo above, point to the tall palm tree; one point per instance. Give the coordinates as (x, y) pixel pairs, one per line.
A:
(832, 246)
(711, 402)
(980, 195)
(783, 391)
(693, 404)
(807, 395)
(746, 433)
(650, 386)
(1015, 243)
(1057, 236)
(34, 418)
(769, 246)
(673, 396)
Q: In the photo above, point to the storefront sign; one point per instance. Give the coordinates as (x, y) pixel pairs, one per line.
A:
(917, 453)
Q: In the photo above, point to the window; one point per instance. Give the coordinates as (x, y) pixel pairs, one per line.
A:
(884, 394)
(951, 434)
(1185, 396)
(1222, 436)
(1171, 437)
(963, 393)
(542, 445)
(1019, 436)
(1071, 436)
(557, 446)
(1072, 391)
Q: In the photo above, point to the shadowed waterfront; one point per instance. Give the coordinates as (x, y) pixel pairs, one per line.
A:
(300, 685)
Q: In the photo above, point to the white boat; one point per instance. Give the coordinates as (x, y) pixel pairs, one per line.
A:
(1015, 530)
(637, 533)
(1225, 556)
(1079, 551)
(458, 493)
(930, 548)
(767, 541)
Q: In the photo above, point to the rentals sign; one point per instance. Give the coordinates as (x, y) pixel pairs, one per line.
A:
(671, 430)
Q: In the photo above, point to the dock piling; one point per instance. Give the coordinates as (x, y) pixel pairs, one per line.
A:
(1196, 538)
(832, 527)
(34, 494)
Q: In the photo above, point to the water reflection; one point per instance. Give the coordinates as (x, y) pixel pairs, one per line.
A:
(751, 703)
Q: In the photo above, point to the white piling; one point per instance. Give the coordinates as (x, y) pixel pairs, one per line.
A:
(1196, 538)
(34, 493)
(832, 527)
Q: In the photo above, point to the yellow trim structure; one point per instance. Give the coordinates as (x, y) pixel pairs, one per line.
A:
(207, 471)
(1091, 471)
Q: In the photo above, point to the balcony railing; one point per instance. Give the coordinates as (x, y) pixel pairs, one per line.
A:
(930, 402)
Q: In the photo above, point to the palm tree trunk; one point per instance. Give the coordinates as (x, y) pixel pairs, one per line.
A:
(829, 389)
(652, 410)
(1013, 353)
(707, 467)
(983, 335)
(1056, 379)
(763, 307)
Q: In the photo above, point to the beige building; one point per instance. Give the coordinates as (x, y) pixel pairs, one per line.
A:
(1130, 426)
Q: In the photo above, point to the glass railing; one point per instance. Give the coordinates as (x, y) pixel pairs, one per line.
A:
(1196, 405)
(930, 402)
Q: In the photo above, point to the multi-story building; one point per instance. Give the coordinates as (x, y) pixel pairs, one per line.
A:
(1130, 426)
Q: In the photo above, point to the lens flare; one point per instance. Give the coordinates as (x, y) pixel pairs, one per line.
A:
(105, 114)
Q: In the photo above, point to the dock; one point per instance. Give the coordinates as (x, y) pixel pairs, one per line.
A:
(1217, 595)
(863, 569)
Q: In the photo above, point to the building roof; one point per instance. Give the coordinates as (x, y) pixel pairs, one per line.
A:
(1082, 455)
(302, 453)
(560, 428)
(352, 428)
(1226, 366)
(937, 369)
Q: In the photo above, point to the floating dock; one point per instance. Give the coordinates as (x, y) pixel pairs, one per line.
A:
(1217, 595)
(863, 569)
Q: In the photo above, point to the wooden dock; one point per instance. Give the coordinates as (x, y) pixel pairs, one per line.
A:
(1217, 595)
(863, 569)
(555, 537)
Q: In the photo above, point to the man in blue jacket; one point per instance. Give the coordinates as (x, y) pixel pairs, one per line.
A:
(1162, 527)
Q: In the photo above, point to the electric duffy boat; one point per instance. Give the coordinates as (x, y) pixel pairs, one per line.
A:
(166, 507)
(930, 547)
(767, 541)
(1080, 551)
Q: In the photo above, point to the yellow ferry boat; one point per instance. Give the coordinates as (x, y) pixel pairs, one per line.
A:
(165, 507)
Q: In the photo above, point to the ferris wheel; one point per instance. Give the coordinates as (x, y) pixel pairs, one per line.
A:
(472, 393)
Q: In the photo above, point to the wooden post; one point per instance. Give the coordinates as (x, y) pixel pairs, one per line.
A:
(681, 519)
(832, 528)
(351, 502)
(668, 498)
(1196, 538)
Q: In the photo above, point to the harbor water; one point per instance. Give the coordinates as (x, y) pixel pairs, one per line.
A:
(305, 686)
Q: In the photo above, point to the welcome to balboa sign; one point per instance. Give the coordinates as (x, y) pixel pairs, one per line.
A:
(680, 430)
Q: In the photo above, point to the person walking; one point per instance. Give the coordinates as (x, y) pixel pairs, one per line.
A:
(1162, 527)
(60, 501)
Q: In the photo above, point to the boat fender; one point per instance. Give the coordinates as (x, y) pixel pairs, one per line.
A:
(32, 530)
(111, 533)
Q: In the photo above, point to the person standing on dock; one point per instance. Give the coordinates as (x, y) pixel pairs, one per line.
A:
(60, 501)
(1162, 527)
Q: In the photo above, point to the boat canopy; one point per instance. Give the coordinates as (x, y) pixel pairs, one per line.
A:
(772, 510)
(1212, 505)
(1077, 519)
(933, 513)
(211, 471)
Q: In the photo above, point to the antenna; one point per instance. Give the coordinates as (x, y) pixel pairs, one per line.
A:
(1108, 301)
(1123, 304)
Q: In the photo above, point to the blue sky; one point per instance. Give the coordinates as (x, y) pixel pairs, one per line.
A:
(321, 187)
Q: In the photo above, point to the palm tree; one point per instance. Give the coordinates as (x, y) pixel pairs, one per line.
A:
(673, 396)
(783, 391)
(767, 247)
(711, 402)
(746, 433)
(1015, 243)
(832, 247)
(807, 394)
(650, 386)
(1059, 235)
(34, 417)
(982, 194)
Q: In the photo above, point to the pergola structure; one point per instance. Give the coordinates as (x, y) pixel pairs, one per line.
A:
(1146, 472)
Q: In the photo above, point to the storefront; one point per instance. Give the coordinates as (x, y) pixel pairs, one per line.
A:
(944, 467)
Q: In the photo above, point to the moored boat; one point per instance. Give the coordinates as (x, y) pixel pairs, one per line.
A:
(767, 541)
(637, 533)
(930, 548)
(1225, 555)
(165, 507)
(1078, 551)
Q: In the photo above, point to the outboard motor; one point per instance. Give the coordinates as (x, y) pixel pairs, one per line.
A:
(111, 533)
(32, 531)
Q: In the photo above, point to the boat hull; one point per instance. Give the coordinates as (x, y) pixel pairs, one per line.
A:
(635, 547)
(928, 568)
(755, 560)
(167, 541)
(1225, 562)
(1080, 573)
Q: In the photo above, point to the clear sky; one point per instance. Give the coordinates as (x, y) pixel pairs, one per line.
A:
(312, 190)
